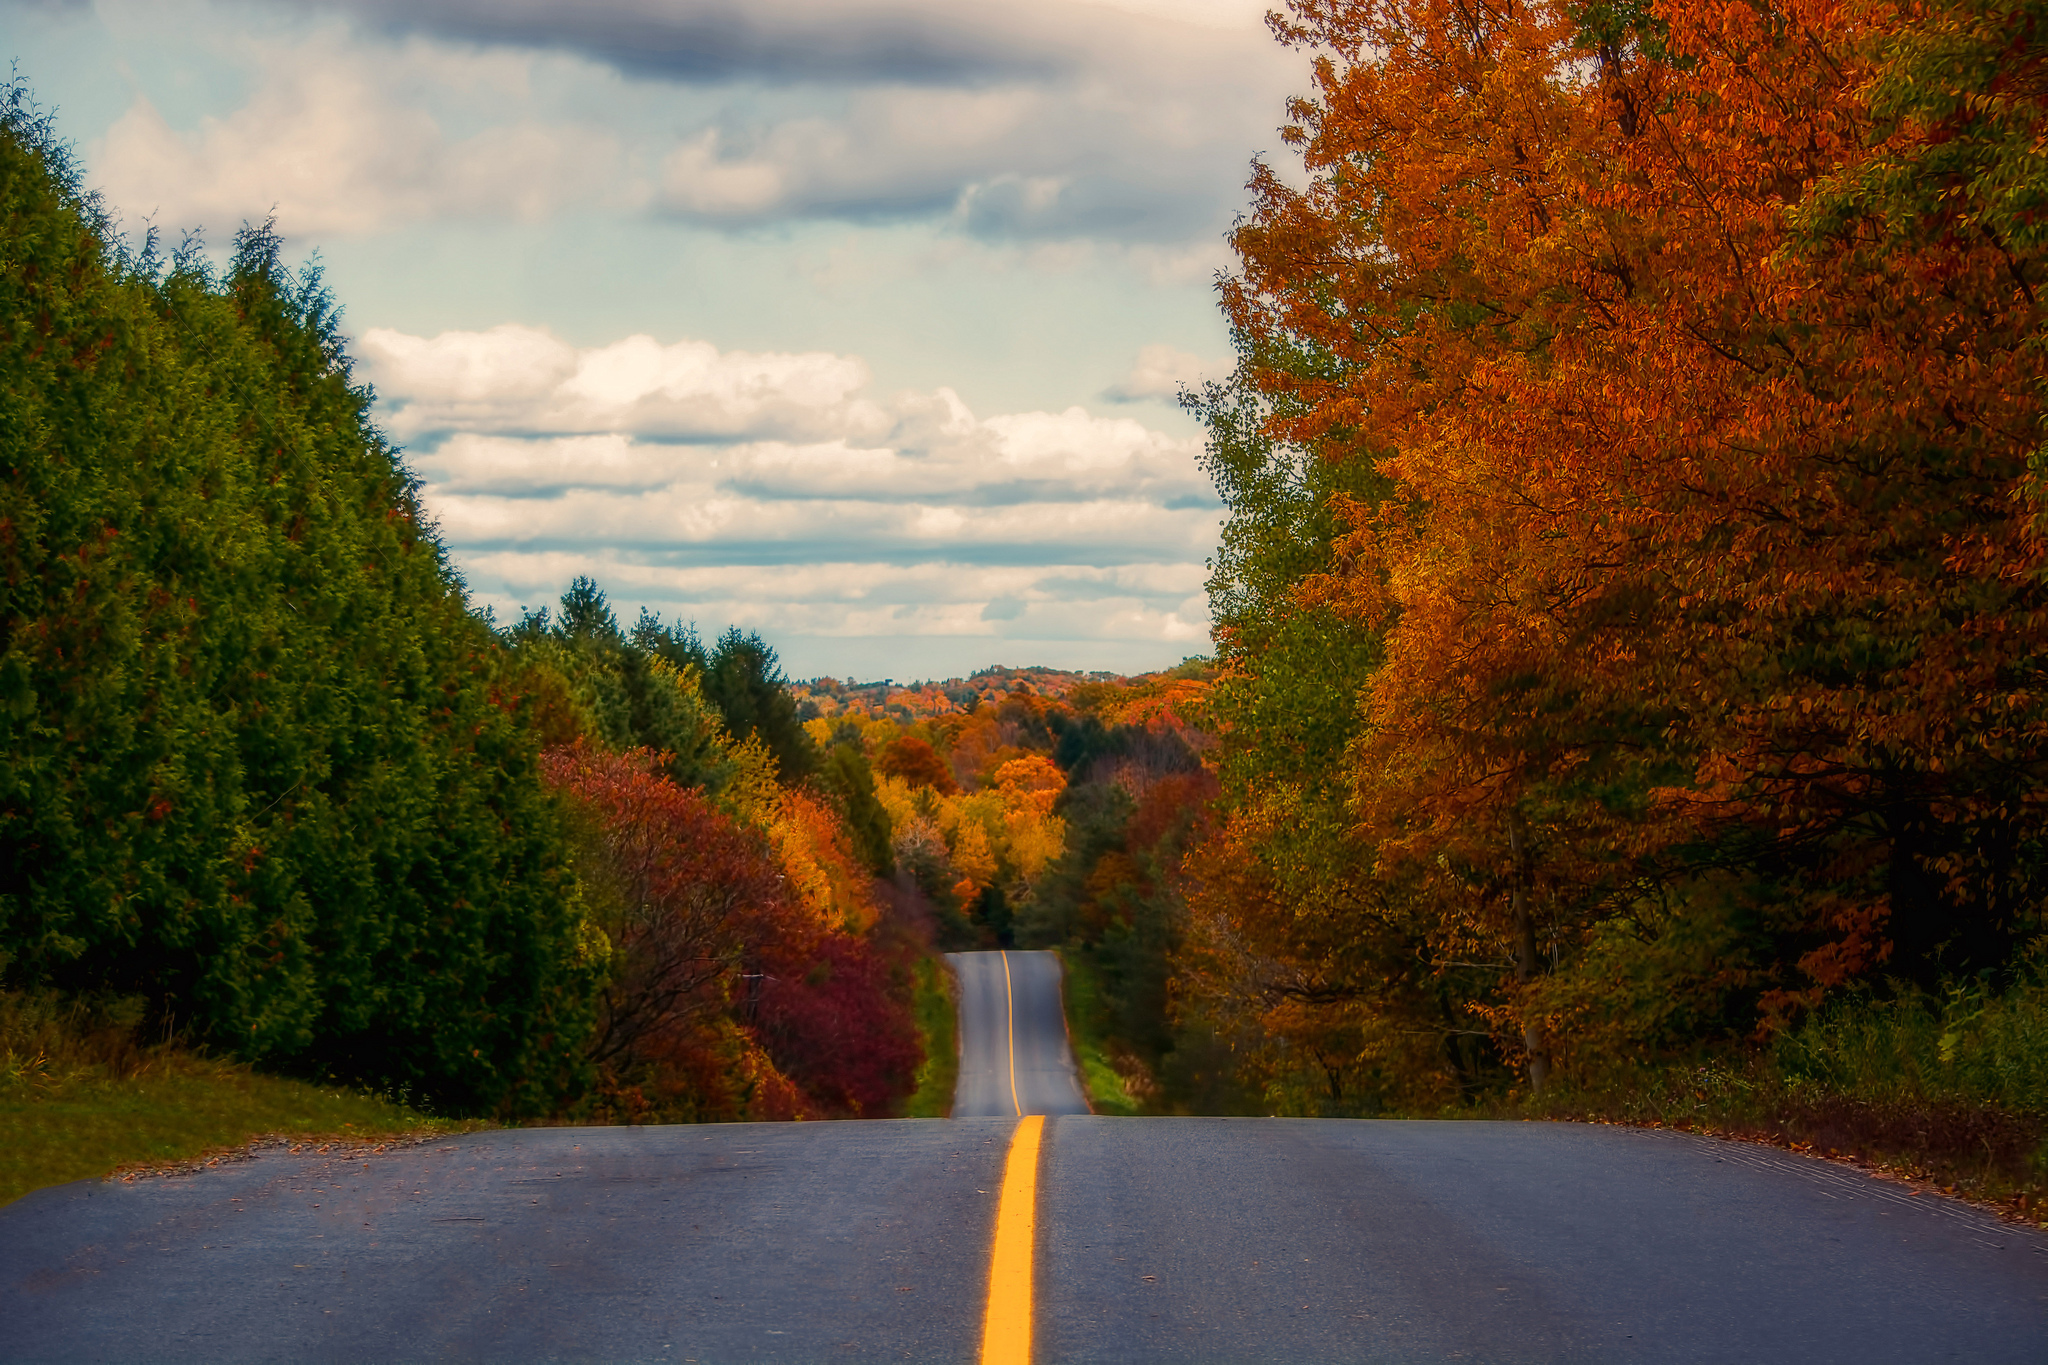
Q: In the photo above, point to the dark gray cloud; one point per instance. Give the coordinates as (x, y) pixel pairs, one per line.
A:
(757, 40)
(1022, 120)
(1132, 203)
(1007, 121)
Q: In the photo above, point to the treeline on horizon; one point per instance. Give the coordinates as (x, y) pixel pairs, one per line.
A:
(1630, 615)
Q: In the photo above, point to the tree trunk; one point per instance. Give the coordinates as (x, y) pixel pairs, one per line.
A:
(1526, 961)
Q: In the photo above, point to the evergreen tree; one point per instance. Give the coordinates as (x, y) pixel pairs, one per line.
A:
(744, 678)
(258, 762)
(848, 776)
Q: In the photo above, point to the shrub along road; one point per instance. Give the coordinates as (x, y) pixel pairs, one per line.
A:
(1183, 1239)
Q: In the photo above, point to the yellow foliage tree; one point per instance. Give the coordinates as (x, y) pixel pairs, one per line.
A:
(1029, 787)
(817, 857)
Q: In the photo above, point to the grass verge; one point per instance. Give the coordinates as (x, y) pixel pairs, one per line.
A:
(1948, 1091)
(80, 1097)
(1984, 1155)
(937, 1024)
(1082, 993)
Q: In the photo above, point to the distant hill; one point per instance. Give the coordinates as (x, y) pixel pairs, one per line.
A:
(825, 696)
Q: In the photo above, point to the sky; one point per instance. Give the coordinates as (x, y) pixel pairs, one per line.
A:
(857, 323)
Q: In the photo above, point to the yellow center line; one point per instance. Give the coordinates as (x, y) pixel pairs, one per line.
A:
(1006, 1332)
(1010, 1026)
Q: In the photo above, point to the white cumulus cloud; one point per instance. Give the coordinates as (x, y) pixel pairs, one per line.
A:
(1162, 372)
(522, 379)
(772, 489)
(340, 140)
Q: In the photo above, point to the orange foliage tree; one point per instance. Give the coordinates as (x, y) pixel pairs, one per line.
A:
(916, 762)
(1700, 347)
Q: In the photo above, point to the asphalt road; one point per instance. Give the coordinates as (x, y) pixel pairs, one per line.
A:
(1014, 1058)
(1157, 1239)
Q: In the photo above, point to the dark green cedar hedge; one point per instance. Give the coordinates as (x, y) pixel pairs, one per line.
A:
(258, 762)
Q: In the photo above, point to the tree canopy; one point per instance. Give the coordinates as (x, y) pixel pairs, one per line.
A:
(1631, 467)
(261, 766)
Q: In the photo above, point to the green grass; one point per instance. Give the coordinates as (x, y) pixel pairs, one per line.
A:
(1082, 994)
(1968, 1044)
(937, 1023)
(1948, 1088)
(81, 1097)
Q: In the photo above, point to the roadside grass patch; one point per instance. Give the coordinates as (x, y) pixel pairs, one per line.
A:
(1081, 992)
(938, 1026)
(1945, 1089)
(82, 1095)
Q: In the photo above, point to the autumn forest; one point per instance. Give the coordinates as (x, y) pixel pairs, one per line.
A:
(1629, 696)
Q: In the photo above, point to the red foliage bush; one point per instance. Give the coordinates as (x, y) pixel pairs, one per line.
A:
(685, 895)
(836, 1016)
(727, 999)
